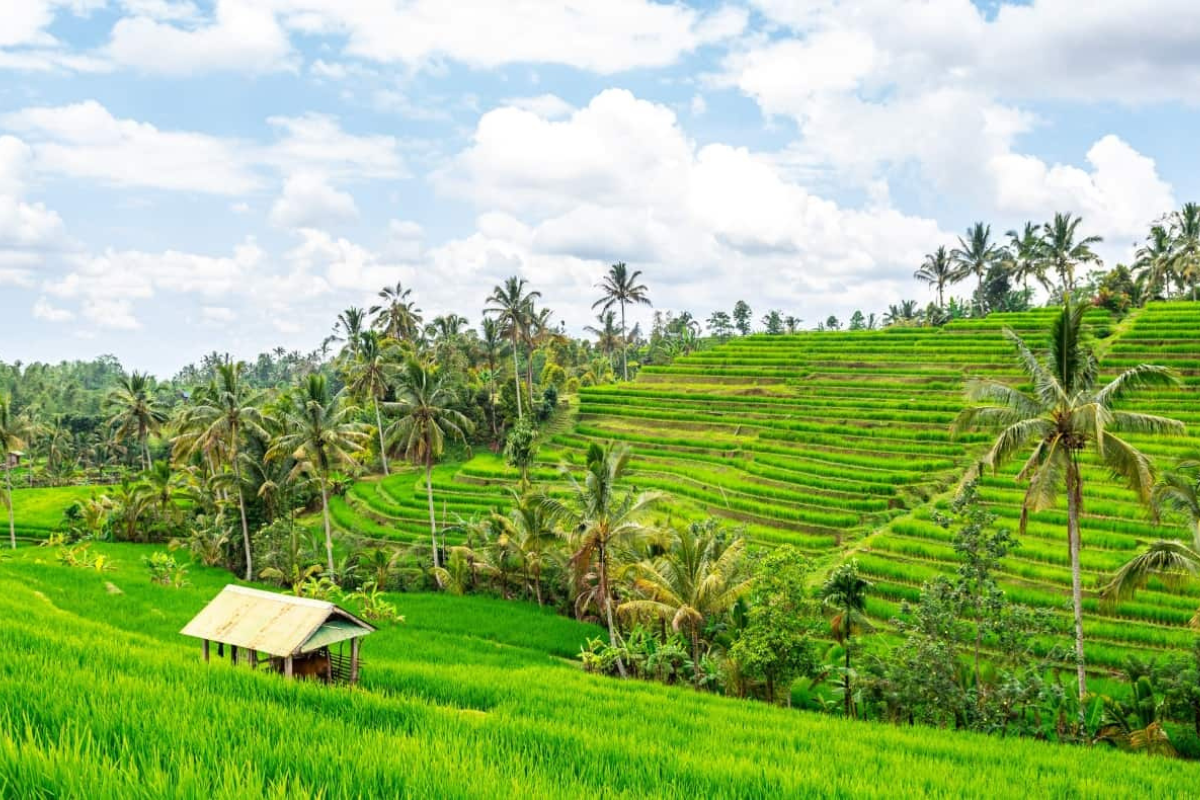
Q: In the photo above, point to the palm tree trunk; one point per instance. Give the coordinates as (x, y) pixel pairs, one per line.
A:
(145, 452)
(1074, 500)
(846, 681)
(624, 345)
(328, 528)
(613, 638)
(379, 427)
(696, 657)
(432, 517)
(12, 523)
(237, 474)
(492, 400)
(517, 377)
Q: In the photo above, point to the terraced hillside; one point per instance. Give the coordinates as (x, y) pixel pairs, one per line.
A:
(840, 442)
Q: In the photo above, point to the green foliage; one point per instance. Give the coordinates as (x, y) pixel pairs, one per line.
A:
(165, 570)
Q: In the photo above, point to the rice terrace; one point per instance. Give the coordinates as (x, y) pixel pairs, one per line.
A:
(647, 399)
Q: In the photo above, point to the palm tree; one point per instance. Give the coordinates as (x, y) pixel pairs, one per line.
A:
(1063, 253)
(598, 516)
(135, 411)
(1025, 255)
(219, 422)
(845, 595)
(349, 328)
(937, 270)
(529, 531)
(1167, 559)
(699, 577)
(12, 436)
(1185, 236)
(621, 287)
(320, 435)
(425, 422)
(975, 255)
(608, 335)
(1065, 415)
(397, 315)
(491, 344)
(369, 377)
(513, 309)
(1155, 260)
(1178, 492)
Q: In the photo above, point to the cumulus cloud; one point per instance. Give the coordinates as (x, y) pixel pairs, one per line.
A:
(309, 202)
(23, 224)
(43, 310)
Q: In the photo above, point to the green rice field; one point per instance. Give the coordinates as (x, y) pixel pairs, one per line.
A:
(471, 697)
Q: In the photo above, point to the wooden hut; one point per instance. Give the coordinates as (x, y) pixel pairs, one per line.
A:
(297, 636)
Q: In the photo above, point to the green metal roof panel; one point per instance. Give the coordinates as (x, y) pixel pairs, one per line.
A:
(332, 631)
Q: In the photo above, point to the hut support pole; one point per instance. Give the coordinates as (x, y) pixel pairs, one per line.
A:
(233, 654)
(353, 661)
(206, 651)
(287, 666)
(253, 659)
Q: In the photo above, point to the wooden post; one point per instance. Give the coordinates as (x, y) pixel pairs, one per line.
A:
(233, 654)
(253, 659)
(287, 666)
(353, 661)
(206, 651)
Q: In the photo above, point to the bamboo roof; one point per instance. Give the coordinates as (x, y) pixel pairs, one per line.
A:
(277, 624)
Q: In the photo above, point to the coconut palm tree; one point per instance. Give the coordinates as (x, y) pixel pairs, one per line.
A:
(348, 329)
(1063, 253)
(320, 435)
(528, 530)
(699, 576)
(1024, 255)
(512, 307)
(608, 335)
(844, 594)
(598, 516)
(620, 287)
(1185, 240)
(426, 419)
(937, 271)
(134, 411)
(1065, 415)
(12, 439)
(369, 376)
(1155, 261)
(397, 314)
(1178, 493)
(1166, 559)
(975, 255)
(491, 346)
(219, 422)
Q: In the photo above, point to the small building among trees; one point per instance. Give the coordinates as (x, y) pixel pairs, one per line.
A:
(296, 636)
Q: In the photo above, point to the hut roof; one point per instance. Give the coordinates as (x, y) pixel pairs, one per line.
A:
(278, 624)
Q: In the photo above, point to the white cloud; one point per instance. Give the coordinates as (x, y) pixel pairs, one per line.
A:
(43, 310)
(547, 106)
(601, 37)
(84, 140)
(23, 224)
(309, 202)
(106, 311)
(404, 241)
(217, 315)
(346, 265)
(242, 36)
(316, 143)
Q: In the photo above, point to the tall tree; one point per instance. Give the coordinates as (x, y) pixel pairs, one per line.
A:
(369, 377)
(12, 439)
(741, 317)
(321, 435)
(512, 307)
(598, 516)
(491, 345)
(1063, 253)
(975, 255)
(620, 287)
(1025, 255)
(219, 422)
(937, 271)
(1155, 261)
(1185, 240)
(397, 315)
(1064, 415)
(609, 338)
(348, 330)
(844, 593)
(426, 419)
(135, 411)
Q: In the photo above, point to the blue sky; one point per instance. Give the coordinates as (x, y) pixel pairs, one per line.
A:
(178, 176)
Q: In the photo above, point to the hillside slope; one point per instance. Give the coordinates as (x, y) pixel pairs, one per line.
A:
(839, 442)
(100, 697)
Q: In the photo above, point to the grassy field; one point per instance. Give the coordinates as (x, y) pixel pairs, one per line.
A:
(100, 697)
(839, 443)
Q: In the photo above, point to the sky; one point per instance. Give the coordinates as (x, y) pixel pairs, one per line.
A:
(184, 176)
